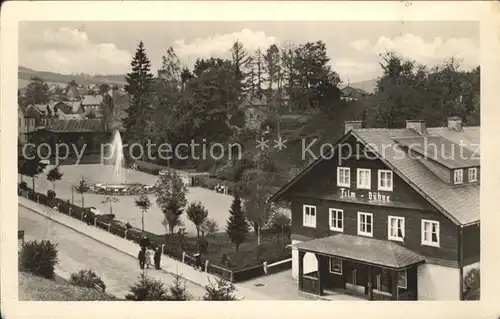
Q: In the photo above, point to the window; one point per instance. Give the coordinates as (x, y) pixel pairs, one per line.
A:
(384, 180)
(336, 219)
(309, 218)
(336, 266)
(458, 176)
(402, 279)
(396, 228)
(364, 178)
(365, 221)
(472, 175)
(430, 233)
(382, 283)
(343, 176)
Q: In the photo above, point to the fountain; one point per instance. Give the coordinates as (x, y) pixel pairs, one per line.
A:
(117, 159)
(118, 184)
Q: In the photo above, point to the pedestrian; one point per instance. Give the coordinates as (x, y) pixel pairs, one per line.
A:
(157, 257)
(142, 257)
(148, 258)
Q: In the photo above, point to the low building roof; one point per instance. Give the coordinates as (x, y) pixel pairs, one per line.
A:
(75, 126)
(368, 250)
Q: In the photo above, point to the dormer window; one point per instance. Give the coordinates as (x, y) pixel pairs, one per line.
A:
(458, 176)
(472, 175)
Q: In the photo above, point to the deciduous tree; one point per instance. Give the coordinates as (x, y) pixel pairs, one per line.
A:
(82, 188)
(54, 175)
(197, 214)
(37, 91)
(143, 202)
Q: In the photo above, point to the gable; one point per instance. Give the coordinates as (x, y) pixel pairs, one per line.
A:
(321, 180)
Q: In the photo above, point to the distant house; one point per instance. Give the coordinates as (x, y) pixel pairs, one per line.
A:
(91, 103)
(41, 113)
(72, 93)
(25, 124)
(256, 112)
(350, 93)
(64, 106)
(89, 132)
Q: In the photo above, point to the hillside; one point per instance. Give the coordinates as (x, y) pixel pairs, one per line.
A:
(33, 288)
(25, 74)
(368, 86)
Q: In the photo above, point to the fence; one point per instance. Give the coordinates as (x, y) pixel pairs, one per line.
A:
(134, 234)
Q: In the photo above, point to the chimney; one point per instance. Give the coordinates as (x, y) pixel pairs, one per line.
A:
(455, 123)
(352, 125)
(417, 125)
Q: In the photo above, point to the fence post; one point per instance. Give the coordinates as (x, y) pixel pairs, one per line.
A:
(69, 211)
(95, 221)
(264, 265)
(109, 228)
(38, 199)
(183, 256)
(206, 265)
(126, 232)
(231, 276)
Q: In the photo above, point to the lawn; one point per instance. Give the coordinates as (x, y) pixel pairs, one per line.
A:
(220, 251)
(125, 210)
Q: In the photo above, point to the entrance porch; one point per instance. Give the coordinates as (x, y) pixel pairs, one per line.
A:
(359, 266)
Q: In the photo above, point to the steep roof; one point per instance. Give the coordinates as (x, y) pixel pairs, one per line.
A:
(459, 203)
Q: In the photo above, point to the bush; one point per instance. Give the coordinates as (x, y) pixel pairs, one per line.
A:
(38, 258)
(178, 290)
(87, 278)
(147, 289)
(472, 283)
(221, 290)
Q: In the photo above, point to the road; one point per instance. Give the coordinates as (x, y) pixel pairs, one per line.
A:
(77, 251)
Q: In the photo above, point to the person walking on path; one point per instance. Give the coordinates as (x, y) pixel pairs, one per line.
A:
(148, 258)
(157, 257)
(142, 257)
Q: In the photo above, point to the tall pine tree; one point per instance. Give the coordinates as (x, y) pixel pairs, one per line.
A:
(138, 86)
(237, 226)
(242, 63)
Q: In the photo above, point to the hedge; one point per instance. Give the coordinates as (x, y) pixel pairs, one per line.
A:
(211, 182)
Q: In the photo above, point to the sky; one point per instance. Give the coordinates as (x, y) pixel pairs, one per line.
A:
(353, 47)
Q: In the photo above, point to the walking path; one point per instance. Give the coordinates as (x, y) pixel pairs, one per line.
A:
(170, 266)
